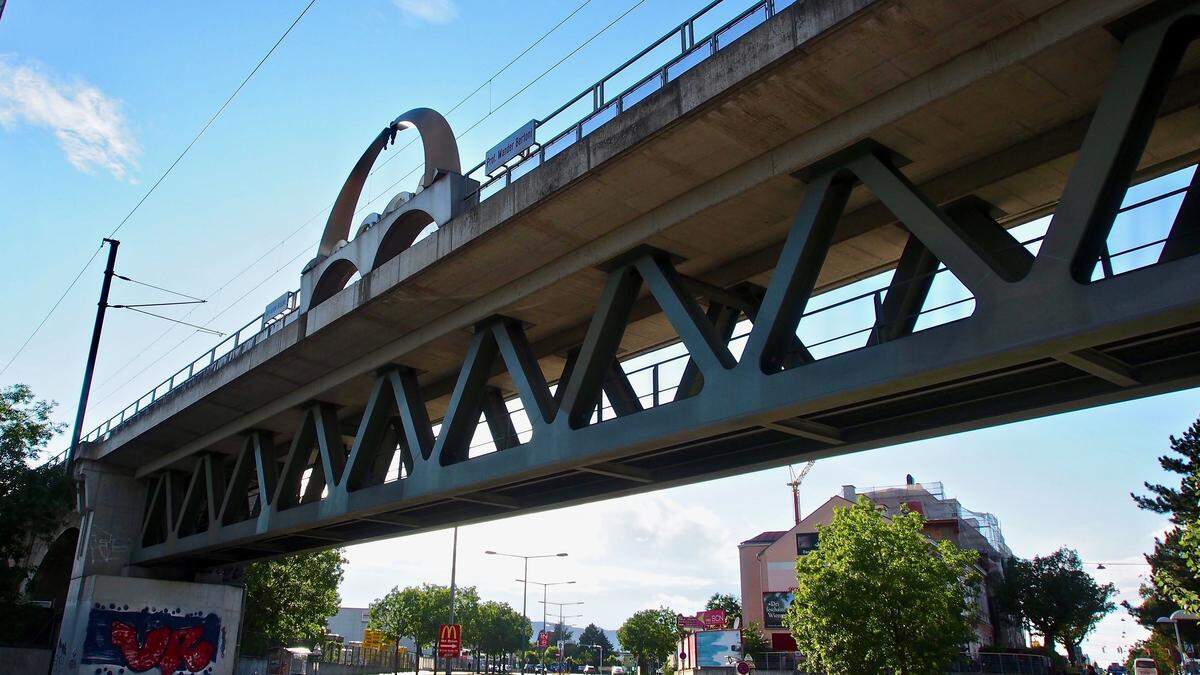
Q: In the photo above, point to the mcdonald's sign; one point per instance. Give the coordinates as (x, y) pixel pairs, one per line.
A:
(449, 640)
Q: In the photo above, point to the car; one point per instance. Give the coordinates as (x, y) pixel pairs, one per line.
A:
(1145, 667)
(618, 670)
(1116, 669)
(588, 670)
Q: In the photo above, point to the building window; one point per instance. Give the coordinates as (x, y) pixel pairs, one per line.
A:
(806, 542)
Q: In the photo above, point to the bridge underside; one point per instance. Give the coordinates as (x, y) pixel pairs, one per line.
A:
(254, 468)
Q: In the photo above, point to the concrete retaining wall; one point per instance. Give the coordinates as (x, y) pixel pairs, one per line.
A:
(122, 624)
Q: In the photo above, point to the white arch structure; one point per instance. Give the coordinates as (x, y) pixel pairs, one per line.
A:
(442, 193)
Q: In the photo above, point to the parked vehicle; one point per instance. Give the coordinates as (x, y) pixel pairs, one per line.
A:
(588, 670)
(618, 670)
(1116, 669)
(1145, 667)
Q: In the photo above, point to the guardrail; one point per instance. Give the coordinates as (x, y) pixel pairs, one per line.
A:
(255, 331)
(605, 108)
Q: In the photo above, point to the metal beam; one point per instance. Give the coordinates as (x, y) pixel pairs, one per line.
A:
(623, 471)
(1102, 366)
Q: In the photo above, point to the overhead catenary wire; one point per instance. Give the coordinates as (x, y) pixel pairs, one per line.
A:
(167, 318)
(157, 288)
(395, 154)
(154, 186)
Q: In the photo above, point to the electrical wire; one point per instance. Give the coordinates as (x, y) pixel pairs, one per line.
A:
(156, 183)
(53, 307)
(167, 318)
(157, 288)
(459, 136)
(541, 38)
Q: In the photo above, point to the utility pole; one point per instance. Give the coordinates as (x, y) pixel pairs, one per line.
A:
(453, 566)
(92, 351)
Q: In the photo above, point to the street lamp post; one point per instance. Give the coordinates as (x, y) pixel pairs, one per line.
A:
(560, 622)
(525, 586)
(545, 588)
(600, 661)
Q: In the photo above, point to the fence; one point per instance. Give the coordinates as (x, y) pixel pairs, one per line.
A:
(1007, 664)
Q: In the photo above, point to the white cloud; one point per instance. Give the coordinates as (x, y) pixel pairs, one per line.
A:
(433, 11)
(89, 125)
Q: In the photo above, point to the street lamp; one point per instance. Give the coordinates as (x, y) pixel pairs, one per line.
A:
(545, 588)
(525, 581)
(561, 618)
(1177, 616)
(600, 661)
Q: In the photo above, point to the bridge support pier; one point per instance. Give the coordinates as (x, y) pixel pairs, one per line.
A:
(122, 618)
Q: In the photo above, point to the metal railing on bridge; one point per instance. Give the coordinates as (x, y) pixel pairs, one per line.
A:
(602, 109)
(597, 108)
(593, 106)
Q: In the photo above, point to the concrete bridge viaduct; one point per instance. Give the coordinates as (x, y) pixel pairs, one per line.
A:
(505, 363)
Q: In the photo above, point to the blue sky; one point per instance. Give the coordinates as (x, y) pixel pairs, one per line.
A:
(96, 100)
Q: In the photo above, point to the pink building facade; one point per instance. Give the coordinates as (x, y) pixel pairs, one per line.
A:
(767, 561)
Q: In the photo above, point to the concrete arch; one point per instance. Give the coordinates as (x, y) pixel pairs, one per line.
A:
(53, 574)
(401, 234)
(441, 156)
(332, 280)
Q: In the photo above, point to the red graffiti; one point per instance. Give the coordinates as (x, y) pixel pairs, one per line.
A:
(164, 648)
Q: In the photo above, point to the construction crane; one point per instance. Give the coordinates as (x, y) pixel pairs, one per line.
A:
(797, 479)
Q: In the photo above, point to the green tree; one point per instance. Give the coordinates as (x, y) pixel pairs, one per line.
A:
(289, 599)
(1159, 647)
(1174, 581)
(1057, 597)
(877, 596)
(649, 635)
(727, 602)
(33, 499)
(754, 643)
(594, 635)
(1181, 588)
(397, 614)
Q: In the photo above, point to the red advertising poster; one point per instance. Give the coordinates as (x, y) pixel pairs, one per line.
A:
(684, 622)
(449, 640)
(712, 618)
(543, 639)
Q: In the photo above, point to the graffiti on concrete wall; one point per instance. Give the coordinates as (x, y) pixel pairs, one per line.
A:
(122, 640)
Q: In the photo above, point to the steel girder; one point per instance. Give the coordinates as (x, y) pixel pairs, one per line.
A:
(1043, 337)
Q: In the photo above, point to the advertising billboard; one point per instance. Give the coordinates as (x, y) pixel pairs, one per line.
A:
(717, 649)
(775, 606)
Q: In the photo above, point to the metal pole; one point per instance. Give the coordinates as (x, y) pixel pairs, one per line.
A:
(545, 597)
(524, 605)
(1178, 642)
(95, 347)
(453, 565)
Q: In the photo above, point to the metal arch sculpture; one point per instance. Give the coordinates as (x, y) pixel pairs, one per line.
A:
(441, 155)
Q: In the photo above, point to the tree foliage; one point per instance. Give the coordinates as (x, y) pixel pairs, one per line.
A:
(33, 499)
(289, 599)
(649, 635)
(730, 604)
(877, 596)
(595, 635)
(416, 612)
(1175, 561)
(1181, 587)
(1057, 597)
(754, 643)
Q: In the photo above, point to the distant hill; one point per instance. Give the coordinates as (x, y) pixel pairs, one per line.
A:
(576, 630)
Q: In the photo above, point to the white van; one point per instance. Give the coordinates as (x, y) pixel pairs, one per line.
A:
(1144, 667)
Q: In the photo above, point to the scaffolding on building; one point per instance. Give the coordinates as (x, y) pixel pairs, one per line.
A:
(976, 528)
